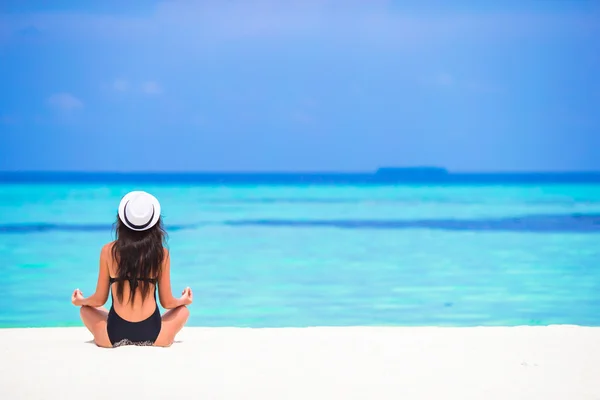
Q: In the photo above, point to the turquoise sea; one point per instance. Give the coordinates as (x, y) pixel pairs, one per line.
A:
(306, 255)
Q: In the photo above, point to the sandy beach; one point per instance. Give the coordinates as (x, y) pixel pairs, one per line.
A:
(556, 362)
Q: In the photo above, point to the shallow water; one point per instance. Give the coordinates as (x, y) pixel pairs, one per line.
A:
(324, 255)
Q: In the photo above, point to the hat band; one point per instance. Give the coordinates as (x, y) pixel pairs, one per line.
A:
(134, 226)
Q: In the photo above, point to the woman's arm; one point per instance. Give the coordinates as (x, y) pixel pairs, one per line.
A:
(165, 296)
(98, 299)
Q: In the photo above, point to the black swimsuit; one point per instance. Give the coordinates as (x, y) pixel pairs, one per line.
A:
(143, 333)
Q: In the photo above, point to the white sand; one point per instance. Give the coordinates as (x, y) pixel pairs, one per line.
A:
(557, 362)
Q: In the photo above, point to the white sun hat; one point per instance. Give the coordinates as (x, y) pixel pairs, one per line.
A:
(139, 210)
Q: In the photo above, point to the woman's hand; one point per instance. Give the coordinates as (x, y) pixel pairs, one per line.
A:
(77, 298)
(186, 297)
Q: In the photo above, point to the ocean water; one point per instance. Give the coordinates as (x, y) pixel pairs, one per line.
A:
(273, 255)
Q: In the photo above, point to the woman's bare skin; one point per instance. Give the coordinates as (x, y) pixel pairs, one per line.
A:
(94, 315)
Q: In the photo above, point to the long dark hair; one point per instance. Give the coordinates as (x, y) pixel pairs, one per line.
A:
(138, 254)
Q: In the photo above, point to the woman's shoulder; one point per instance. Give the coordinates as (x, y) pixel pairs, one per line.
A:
(107, 248)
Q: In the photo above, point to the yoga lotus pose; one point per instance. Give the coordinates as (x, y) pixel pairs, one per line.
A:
(133, 268)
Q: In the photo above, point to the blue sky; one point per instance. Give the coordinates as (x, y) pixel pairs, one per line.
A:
(299, 85)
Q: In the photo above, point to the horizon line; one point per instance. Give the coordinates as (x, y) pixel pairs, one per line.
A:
(297, 172)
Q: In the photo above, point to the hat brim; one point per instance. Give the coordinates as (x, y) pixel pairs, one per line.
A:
(128, 197)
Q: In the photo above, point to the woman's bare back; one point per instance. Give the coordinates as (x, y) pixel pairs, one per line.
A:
(142, 308)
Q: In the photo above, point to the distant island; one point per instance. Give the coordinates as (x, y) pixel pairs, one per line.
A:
(382, 176)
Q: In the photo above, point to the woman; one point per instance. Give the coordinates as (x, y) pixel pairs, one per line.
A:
(132, 267)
